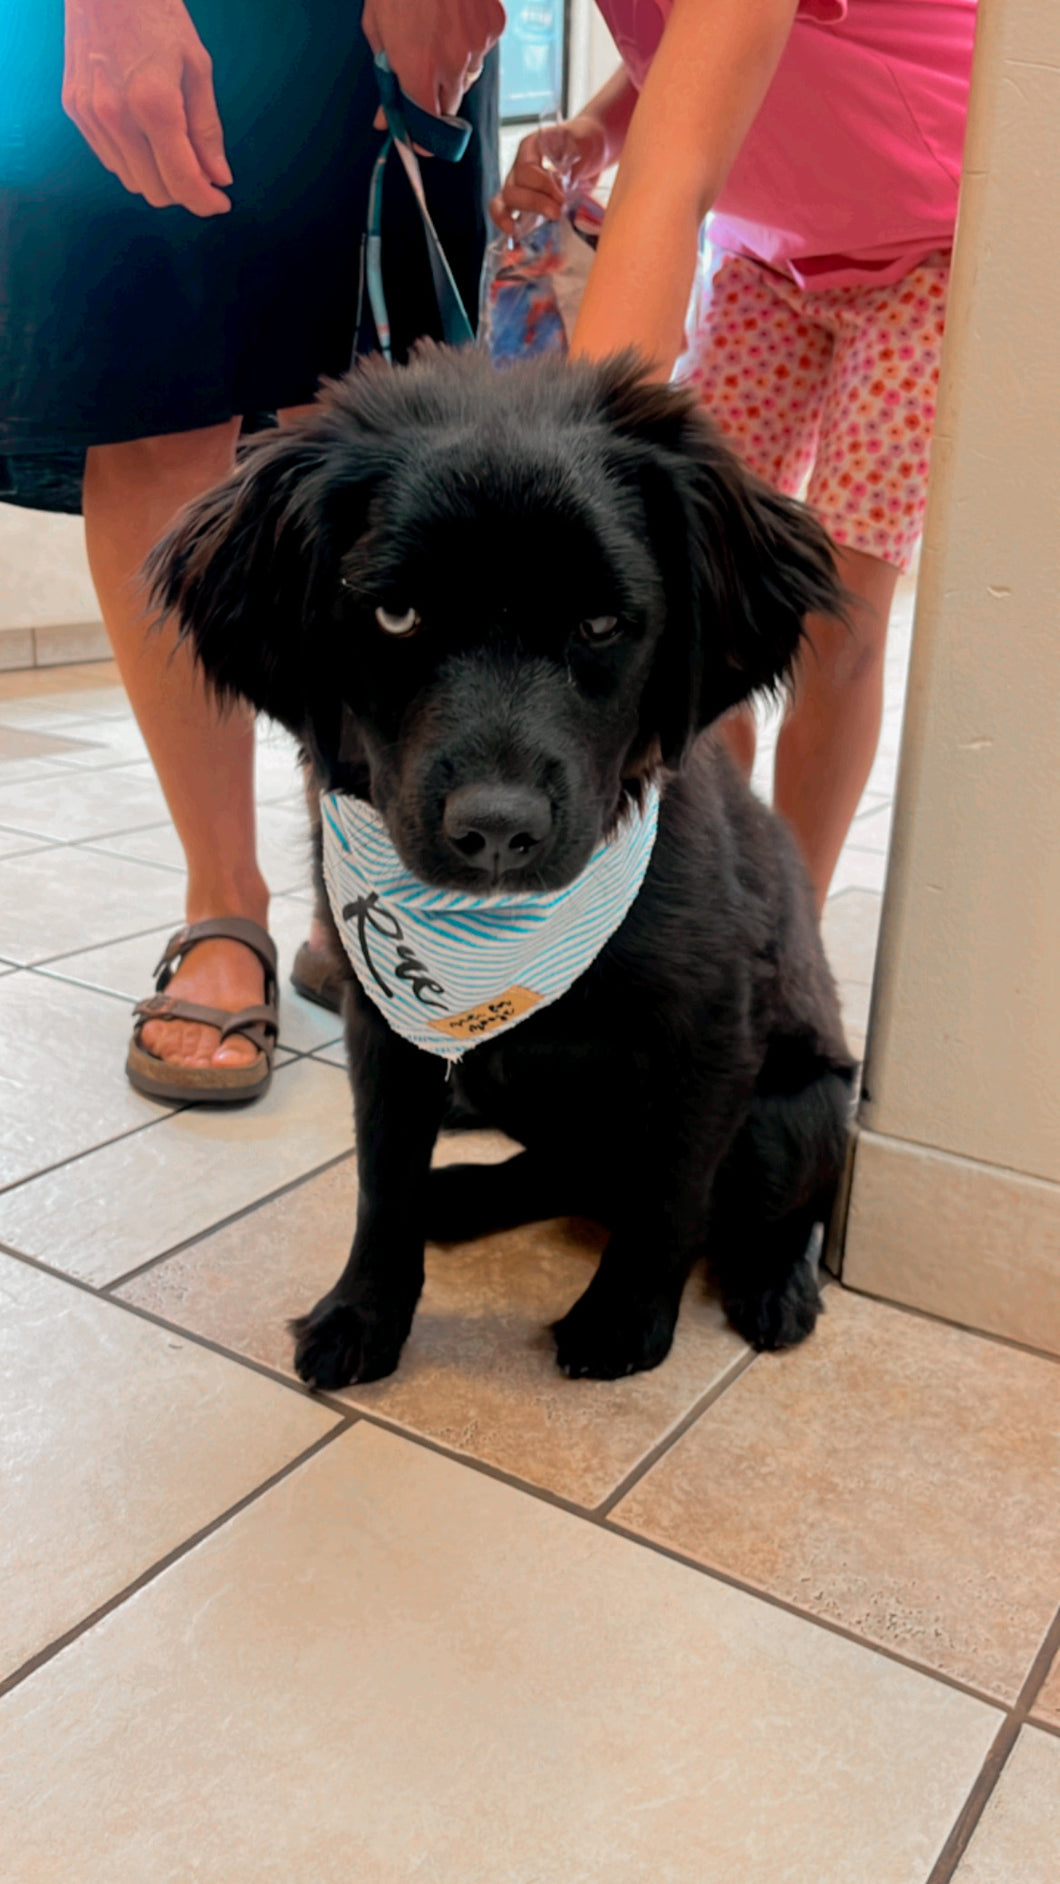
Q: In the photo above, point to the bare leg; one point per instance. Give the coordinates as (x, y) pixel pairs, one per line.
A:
(203, 758)
(829, 737)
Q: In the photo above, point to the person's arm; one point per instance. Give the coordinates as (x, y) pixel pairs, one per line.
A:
(708, 78)
(138, 84)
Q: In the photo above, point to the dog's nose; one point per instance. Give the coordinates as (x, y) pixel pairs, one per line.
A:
(497, 828)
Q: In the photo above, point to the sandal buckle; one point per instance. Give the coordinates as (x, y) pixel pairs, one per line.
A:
(153, 1007)
(172, 951)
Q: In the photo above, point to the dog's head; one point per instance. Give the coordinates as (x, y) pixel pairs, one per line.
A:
(495, 603)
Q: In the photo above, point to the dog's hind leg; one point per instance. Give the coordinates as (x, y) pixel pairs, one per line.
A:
(465, 1201)
(767, 1281)
(776, 1183)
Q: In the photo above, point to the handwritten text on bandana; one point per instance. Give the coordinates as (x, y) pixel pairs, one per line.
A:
(447, 968)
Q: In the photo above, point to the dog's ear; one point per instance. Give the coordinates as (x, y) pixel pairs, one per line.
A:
(251, 569)
(742, 566)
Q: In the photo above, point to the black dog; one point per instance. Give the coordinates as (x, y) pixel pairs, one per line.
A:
(538, 588)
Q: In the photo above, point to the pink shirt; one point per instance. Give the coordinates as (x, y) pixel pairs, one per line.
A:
(851, 169)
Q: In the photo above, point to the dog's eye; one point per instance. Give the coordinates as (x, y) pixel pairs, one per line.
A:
(392, 624)
(599, 629)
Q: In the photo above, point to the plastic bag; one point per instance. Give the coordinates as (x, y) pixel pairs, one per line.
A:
(533, 284)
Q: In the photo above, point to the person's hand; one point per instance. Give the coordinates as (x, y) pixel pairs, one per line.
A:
(138, 85)
(552, 166)
(436, 47)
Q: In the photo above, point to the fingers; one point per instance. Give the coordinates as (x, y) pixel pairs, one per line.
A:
(156, 109)
(109, 153)
(532, 186)
(528, 207)
(451, 87)
(515, 222)
(157, 145)
(531, 192)
(576, 151)
(80, 109)
(438, 50)
(409, 60)
(203, 120)
(557, 150)
(551, 166)
(108, 122)
(438, 91)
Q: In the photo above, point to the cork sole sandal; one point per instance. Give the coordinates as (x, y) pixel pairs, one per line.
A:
(208, 1085)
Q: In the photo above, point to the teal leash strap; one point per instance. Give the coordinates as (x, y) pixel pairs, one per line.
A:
(444, 138)
(373, 252)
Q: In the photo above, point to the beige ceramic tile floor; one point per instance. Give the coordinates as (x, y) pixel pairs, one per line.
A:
(780, 1620)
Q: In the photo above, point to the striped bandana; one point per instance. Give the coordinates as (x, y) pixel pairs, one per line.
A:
(447, 968)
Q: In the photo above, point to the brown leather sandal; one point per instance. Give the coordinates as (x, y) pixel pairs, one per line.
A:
(214, 1085)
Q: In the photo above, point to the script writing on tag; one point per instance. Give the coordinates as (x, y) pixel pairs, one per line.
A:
(476, 1021)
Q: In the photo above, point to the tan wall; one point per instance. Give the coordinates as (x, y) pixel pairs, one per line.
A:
(964, 1045)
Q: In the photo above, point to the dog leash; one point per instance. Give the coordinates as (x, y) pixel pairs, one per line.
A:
(444, 138)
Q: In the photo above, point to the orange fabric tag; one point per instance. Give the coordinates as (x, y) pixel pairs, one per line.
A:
(476, 1021)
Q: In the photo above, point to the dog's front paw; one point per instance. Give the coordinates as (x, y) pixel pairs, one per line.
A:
(603, 1338)
(337, 1343)
(777, 1317)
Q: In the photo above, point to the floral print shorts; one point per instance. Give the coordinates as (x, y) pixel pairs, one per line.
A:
(832, 389)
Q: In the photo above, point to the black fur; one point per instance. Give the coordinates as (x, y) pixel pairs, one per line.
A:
(692, 1089)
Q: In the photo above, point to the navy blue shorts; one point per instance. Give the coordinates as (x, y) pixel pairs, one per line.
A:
(120, 321)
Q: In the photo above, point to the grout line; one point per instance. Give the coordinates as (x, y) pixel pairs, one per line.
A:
(97, 847)
(171, 1557)
(235, 1216)
(994, 1765)
(598, 1516)
(45, 962)
(961, 1327)
(33, 849)
(615, 1529)
(32, 842)
(48, 1170)
(90, 838)
(350, 1413)
(484, 1467)
(170, 1111)
(732, 1582)
(90, 987)
(651, 1458)
(290, 1381)
(334, 1401)
(1038, 1672)
(974, 1806)
(134, 935)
